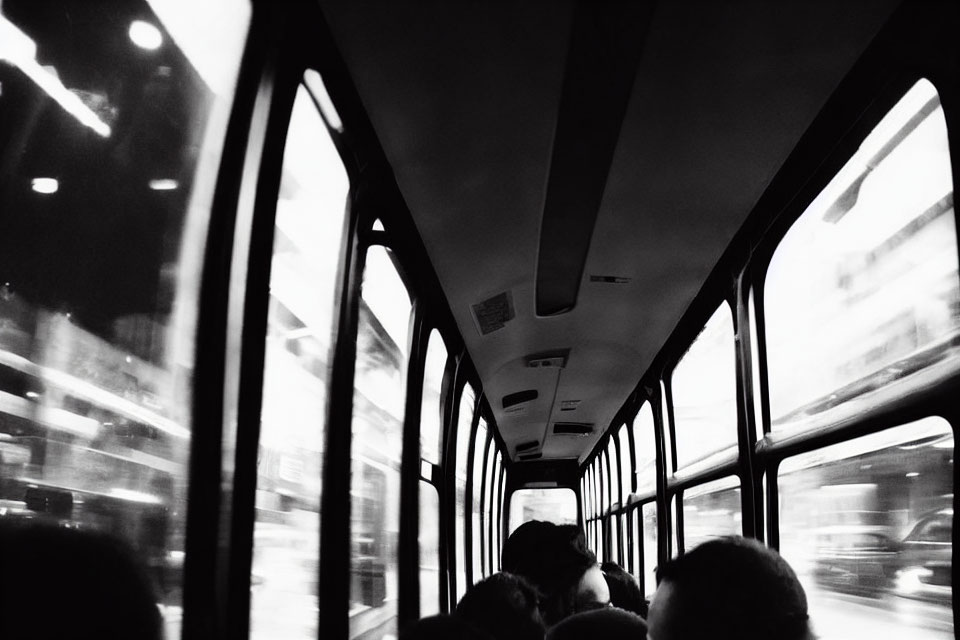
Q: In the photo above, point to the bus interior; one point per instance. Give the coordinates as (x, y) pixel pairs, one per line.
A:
(312, 303)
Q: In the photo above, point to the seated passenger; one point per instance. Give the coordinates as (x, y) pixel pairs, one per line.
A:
(624, 589)
(505, 606)
(728, 589)
(442, 627)
(556, 561)
(605, 624)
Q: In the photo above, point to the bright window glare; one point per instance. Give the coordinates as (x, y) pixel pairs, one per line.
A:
(384, 292)
(45, 185)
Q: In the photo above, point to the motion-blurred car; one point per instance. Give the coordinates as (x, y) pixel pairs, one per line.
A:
(856, 559)
(923, 570)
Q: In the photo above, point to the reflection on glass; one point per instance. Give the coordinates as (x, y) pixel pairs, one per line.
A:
(867, 525)
(615, 498)
(429, 544)
(704, 389)
(302, 280)
(110, 154)
(645, 442)
(711, 510)
(551, 505)
(430, 431)
(379, 389)
(477, 518)
(464, 422)
(861, 297)
(648, 516)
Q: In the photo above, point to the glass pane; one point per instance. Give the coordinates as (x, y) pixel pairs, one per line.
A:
(615, 496)
(302, 281)
(112, 121)
(604, 486)
(624, 541)
(429, 537)
(636, 543)
(867, 526)
(488, 507)
(500, 514)
(464, 423)
(493, 511)
(378, 398)
(648, 515)
(645, 442)
(551, 505)
(675, 537)
(478, 535)
(430, 430)
(704, 388)
(711, 510)
(873, 259)
(626, 463)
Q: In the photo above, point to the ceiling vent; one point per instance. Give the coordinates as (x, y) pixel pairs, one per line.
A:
(531, 444)
(556, 359)
(610, 279)
(530, 456)
(512, 399)
(569, 405)
(572, 428)
(493, 313)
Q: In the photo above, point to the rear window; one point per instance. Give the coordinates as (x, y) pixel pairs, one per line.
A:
(552, 505)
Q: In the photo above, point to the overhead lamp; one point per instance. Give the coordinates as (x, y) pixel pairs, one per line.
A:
(145, 35)
(45, 185)
(163, 184)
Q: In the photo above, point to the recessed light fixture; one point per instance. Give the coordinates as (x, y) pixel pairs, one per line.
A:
(45, 185)
(163, 184)
(33, 395)
(145, 35)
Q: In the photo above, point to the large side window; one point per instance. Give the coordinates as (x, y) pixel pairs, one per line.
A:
(551, 505)
(705, 391)
(378, 399)
(862, 308)
(463, 501)
(871, 520)
(431, 436)
(111, 130)
(861, 297)
(309, 218)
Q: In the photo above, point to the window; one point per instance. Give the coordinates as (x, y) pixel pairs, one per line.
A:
(464, 424)
(111, 150)
(870, 521)
(378, 400)
(614, 462)
(429, 544)
(500, 514)
(492, 509)
(626, 463)
(648, 518)
(645, 442)
(302, 282)
(431, 429)
(711, 510)
(431, 436)
(551, 505)
(704, 390)
(487, 504)
(873, 259)
(479, 444)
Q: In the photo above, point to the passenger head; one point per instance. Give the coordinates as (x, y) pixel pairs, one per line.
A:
(728, 589)
(442, 627)
(608, 624)
(624, 589)
(556, 561)
(70, 583)
(504, 606)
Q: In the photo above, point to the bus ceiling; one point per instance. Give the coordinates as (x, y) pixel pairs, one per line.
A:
(570, 165)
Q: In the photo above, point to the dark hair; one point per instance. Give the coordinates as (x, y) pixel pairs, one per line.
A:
(735, 588)
(504, 606)
(624, 589)
(442, 627)
(609, 624)
(552, 558)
